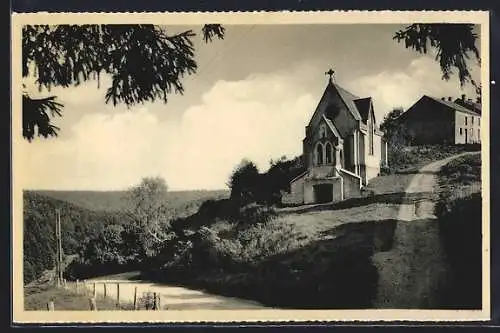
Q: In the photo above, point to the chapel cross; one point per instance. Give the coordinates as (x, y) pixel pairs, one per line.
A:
(330, 73)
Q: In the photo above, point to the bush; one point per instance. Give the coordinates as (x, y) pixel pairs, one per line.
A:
(254, 213)
(460, 230)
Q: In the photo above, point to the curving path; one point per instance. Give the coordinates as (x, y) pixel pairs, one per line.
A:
(171, 297)
(410, 275)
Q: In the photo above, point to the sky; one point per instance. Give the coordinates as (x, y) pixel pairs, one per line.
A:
(251, 98)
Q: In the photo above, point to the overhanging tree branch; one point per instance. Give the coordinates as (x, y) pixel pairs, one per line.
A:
(144, 62)
(453, 44)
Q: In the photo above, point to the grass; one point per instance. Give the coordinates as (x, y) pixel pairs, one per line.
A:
(459, 212)
(313, 259)
(37, 297)
(410, 159)
(331, 269)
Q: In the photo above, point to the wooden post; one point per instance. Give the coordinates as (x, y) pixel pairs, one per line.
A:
(50, 306)
(94, 293)
(156, 301)
(92, 304)
(135, 298)
(77, 289)
(104, 289)
(117, 294)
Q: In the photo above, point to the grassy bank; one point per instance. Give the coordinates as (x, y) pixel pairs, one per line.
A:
(316, 259)
(37, 297)
(409, 159)
(460, 218)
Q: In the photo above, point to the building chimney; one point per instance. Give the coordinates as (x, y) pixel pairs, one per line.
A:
(463, 97)
(443, 98)
(449, 98)
(469, 100)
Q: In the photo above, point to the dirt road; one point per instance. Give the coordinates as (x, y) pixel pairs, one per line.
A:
(412, 272)
(171, 297)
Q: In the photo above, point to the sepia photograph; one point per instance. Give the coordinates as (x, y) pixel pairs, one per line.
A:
(287, 167)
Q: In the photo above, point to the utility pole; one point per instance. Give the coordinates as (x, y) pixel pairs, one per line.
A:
(59, 248)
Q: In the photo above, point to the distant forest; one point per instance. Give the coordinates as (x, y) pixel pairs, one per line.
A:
(85, 216)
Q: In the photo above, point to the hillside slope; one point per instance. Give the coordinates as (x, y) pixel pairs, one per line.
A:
(39, 245)
(112, 201)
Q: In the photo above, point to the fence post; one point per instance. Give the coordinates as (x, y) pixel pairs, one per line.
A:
(92, 304)
(118, 294)
(94, 293)
(135, 298)
(156, 301)
(77, 286)
(50, 306)
(104, 289)
(158, 305)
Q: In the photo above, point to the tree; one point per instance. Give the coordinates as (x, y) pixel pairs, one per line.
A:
(394, 131)
(149, 213)
(244, 182)
(453, 44)
(144, 62)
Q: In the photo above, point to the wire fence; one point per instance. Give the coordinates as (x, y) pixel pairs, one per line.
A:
(123, 295)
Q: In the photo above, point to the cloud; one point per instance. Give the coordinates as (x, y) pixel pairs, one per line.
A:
(260, 117)
(391, 88)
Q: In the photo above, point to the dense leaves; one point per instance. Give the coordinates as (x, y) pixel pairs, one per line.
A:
(453, 44)
(149, 213)
(144, 62)
(79, 227)
(248, 185)
(37, 114)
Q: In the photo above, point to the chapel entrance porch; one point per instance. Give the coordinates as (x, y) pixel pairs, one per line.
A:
(323, 193)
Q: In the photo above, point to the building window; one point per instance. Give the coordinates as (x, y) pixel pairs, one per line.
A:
(479, 121)
(328, 153)
(460, 130)
(472, 120)
(465, 120)
(319, 154)
(478, 134)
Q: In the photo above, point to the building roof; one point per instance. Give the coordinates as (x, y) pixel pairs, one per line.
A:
(333, 128)
(348, 99)
(453, 105)
(473, 106)
(363, 106)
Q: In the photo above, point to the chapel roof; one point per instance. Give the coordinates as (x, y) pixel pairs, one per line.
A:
(348, 99)
(363, 106)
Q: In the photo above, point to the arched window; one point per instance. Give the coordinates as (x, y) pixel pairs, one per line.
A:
(328, 153)
(319, 154)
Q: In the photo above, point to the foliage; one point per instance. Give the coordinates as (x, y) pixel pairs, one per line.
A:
(243, 182)
(144, 62)
(394, 131)
(79, 226)
(452, 42)
(278, 177)
(408, 159)
(151, 218)
(36, 116)
(248, 185)
(178, 202)
(460, 229)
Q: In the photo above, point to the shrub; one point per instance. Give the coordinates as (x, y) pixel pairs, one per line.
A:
(460, 230)
(255, 213)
